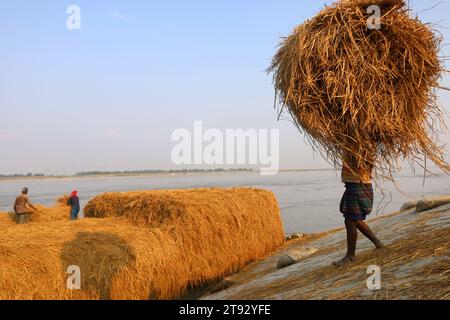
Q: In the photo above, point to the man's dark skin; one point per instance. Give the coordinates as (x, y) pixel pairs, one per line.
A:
(353, 173)
(352, 238)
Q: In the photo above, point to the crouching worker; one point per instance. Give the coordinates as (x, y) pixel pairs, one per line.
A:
(356, 204)
(21, 207)
(74, 203)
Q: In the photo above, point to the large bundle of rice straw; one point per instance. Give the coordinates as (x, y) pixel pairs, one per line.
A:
(59, 211)
(371, 92)
(141, 245)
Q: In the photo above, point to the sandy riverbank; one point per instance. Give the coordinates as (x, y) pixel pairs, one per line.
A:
(415, 264)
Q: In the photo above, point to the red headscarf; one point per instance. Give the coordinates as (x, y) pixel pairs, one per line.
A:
(74, 193)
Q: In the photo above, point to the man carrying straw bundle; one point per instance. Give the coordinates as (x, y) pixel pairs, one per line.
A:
(364, 97)
(356, 205)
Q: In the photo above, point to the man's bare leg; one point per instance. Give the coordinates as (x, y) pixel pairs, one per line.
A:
(365, 230)
(352, 238)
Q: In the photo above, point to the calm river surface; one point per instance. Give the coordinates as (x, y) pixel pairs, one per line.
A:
(309, 201)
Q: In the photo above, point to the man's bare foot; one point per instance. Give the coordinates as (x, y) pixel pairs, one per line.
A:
(344, 262)
(380, 245)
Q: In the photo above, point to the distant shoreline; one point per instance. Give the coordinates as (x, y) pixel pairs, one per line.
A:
(146, 175)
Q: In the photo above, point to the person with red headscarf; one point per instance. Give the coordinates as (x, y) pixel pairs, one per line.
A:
(74, 203)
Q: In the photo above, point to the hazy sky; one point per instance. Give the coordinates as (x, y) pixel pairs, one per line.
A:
(108, 96)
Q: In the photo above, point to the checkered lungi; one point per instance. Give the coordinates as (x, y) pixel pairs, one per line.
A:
(357, 202)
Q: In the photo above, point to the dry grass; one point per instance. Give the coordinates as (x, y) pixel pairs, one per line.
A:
(370, 92)
(414, 267)
(237, 207)
(116, 260)
(429, 281)
(59, 211)
(142, 245)
(6, 219)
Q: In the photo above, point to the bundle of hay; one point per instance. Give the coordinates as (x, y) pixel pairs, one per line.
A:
(59, 211)
(7, 219)
(116, 261)
(226, 228)
(239, 209)
(370, 92)
(141, 245)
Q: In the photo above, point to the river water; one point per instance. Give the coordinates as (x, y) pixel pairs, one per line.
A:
(309, 201)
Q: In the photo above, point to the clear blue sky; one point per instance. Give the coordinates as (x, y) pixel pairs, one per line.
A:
(109, 96)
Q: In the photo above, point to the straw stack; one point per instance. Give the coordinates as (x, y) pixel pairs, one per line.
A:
(365, 90)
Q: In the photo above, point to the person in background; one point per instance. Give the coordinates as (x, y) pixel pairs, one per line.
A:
(356, 204)
(74, 203)
(21, 207)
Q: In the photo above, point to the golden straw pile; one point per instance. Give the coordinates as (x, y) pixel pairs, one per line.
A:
(7, 219)
(371, 92)
(59, 211)
(141, 245)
